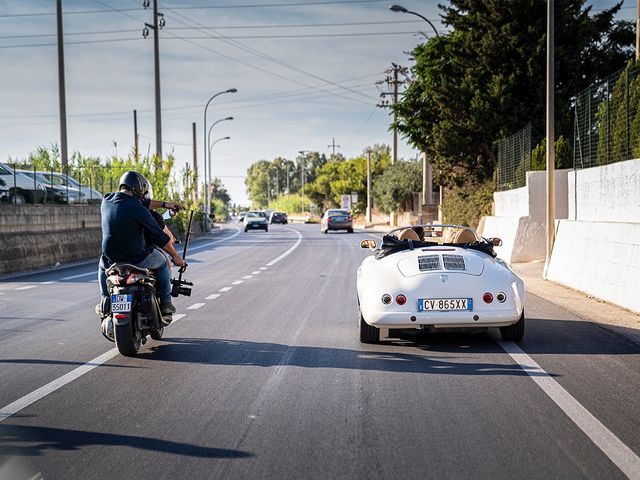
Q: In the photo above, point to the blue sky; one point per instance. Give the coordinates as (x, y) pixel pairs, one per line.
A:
(304, 73)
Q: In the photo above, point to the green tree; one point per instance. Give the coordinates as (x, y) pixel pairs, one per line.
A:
(485, 78)
(393, 190)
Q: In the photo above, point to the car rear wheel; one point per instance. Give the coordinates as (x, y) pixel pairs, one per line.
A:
(349, 230)
(513, 332)
(368, 334)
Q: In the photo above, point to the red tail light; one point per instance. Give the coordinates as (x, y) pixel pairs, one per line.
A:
(401, 299)
(349, 218)
(487, 297)
(121, 316)
(134, 278)
(330, 219)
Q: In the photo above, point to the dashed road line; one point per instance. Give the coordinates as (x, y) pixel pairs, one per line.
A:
(257, 272)
(247, 277)
(60, 382)
(237, 282)
(212, 297)
(621, 455)
(50, 282)
(27, 287)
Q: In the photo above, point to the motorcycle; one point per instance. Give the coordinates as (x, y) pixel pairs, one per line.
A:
(134, 305)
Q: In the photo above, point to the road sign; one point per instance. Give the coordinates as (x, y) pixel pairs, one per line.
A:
(345, 201)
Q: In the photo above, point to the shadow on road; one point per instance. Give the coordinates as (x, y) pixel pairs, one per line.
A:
(34, 441)
(376, 358)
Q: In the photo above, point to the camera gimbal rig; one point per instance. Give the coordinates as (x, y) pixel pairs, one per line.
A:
(178, 284)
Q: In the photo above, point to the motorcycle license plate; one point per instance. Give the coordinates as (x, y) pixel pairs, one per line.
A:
(121, 303)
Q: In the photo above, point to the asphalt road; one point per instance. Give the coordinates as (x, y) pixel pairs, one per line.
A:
(263, 376)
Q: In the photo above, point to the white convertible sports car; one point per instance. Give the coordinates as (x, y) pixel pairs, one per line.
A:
(433, 277)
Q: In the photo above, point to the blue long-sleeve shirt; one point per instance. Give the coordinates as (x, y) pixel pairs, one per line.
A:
(124, 223)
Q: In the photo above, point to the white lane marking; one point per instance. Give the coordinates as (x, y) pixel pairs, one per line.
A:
(225, 289)
(247, 277)
(273, 262)
(24, 402)
(263, 268)
(73, 277)
(208, 244)
(27, 287)
(50, 282)
(237, 282)
(195, 306)
(2, 293)
(51, 387)
(212, 297)
(624, 458)
(257, 272)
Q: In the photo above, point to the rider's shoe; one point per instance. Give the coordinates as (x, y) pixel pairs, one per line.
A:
(167, 308)
(106, 327)
(99, 309)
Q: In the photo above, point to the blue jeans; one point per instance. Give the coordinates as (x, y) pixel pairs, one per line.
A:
(157, 262)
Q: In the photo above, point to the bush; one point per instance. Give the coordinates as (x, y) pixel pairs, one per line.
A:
(465, 205)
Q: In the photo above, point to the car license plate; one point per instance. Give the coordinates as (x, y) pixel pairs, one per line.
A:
(121, 303)
(444, 304)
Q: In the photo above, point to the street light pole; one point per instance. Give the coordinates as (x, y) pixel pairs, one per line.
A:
(400, 8)
(302, 173)
(209, 184)
(204, 133)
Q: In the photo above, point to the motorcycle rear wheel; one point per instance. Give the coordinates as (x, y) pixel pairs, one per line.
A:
(127, 341)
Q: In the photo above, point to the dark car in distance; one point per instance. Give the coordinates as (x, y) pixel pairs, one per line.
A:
(278, 217)
(336, 219)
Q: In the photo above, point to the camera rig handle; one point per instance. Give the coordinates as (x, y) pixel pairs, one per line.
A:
(178, 284)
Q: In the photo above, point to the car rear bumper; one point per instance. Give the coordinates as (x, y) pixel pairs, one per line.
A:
(257, 226)
(459, 319)
(339, 226)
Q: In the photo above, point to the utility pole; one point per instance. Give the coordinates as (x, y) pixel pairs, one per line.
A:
(195, 161)
(368, 213)
(288, 191)
(156, 26)
(277, 182)
(135, 135)
(394, 156)
(64, 160)
(333, 145)
(551, 200)
(638, 31)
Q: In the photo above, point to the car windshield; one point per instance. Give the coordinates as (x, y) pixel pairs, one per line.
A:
(256, 214)
(337, 212)
(55, 179)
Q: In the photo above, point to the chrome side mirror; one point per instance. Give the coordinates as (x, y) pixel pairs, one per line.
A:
(497, 242)
(371, 244)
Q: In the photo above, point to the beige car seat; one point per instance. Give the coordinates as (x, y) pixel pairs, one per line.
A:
(463, 236)
(409, 234)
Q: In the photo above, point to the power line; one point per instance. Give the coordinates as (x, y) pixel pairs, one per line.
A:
(222, 27)
(265, 5)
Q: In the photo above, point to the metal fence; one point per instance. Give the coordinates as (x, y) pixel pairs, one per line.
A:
(607, 120)
(25, 184)
(514, 159)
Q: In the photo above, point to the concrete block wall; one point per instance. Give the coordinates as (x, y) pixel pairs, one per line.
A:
(610, 193)
(40, 236)
(599, 258)
(520, 217)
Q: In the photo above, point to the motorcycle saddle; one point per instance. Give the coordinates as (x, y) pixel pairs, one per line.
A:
(126, 268)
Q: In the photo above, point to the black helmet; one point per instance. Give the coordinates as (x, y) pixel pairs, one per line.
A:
(135, 182)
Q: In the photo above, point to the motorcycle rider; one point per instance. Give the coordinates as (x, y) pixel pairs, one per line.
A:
(125, 221)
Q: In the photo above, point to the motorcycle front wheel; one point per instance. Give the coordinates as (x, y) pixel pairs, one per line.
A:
(128, 341)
